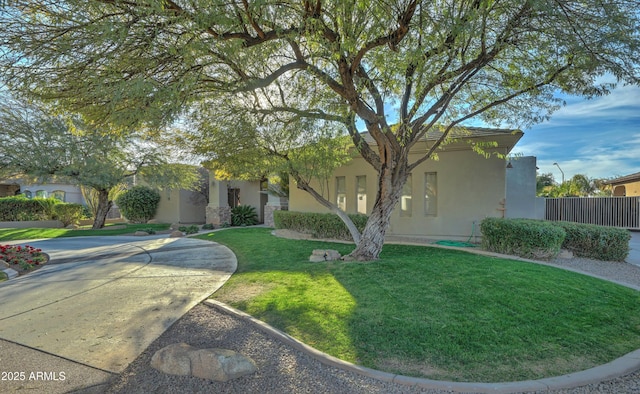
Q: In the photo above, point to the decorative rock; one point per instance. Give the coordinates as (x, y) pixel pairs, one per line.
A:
(141, 233)
(565, 254)
(4, 264)
(72, 227)
(215, 364)
(176, 234)
(175, 226)
(153, 221)
(319, 255)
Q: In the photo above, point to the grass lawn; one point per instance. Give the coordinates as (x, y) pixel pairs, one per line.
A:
(12, 234)
(430, 312)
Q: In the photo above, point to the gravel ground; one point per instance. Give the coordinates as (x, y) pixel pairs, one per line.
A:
(282, 369)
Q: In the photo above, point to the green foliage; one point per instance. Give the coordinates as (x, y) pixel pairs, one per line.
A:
(208, 226)
(193, 229)
(596, 242)
(522, 237)
(149, 230)
(24, 209)
(139, 204)
(68, 213)
(244, 215)
(319, 225)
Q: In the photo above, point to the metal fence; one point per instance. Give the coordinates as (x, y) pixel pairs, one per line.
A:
(604, 211)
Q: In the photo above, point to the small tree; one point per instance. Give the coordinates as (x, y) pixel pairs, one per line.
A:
(139, 204)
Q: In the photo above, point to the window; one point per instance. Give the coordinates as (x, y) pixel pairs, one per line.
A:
(405, 199)
(341, 192)
(431, 194)
(233, 197)
(58, 194)
(361, 194)
(41, 194)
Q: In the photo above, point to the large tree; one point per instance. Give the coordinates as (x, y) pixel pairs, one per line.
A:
(402, 68)
(35, 143)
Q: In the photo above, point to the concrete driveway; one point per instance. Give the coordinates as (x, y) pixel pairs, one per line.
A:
(102, 300)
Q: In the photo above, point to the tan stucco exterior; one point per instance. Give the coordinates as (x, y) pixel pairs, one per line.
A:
(628, 185)
(469, 188)
(181, 206)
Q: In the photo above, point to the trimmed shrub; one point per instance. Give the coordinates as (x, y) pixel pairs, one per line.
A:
(18, 208)
(193, 229)
(244, 215)
(522, 237)
(138, 204)
(208, 226)
(319, 225)
(596, 242)
(68, 213)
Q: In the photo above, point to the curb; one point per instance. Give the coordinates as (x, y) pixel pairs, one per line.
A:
(626, 364)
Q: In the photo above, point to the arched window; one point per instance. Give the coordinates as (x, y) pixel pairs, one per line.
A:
(58, 194)
(41, 194)
(620, 191)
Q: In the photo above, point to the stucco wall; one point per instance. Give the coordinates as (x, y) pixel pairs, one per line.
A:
(180, 206)
(631, 189)
(469, 188)
(521, 189)
(72, 192)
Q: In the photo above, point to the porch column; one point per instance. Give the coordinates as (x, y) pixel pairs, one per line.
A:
(274, 203)
(218, 211)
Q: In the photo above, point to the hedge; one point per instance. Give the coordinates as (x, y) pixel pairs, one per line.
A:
(538, 239)
(68, 213)
(14, 209)
(319, 225)
(522, 237)
(596, 242)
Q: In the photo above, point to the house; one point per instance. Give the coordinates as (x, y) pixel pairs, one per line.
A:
(625, 186)
(224, 195)
(445, 198)
(62, 191)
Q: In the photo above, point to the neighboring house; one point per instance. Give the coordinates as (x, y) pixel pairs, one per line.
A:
(626, 186)
(62, 191)
(445, 198)
(181, 206)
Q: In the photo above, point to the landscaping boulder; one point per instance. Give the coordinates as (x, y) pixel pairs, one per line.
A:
(565, 254)
(11, 273)
(4, 264)
(320, 255)
(214, 364)
(176, 234)
(141, 233)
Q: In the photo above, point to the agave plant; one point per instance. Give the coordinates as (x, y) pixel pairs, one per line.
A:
(244, 215)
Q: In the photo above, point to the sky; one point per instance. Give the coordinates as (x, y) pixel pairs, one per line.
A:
(599, 138)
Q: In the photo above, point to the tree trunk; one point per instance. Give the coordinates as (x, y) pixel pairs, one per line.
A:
(372, 237)
(104, 205)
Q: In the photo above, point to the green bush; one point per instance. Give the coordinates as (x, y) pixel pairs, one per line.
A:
(68, 213)
(208, 226)
(522, 237)
(20, 208)
(193, 229)
(244, 215)
(138, 204)
(596, 242)
(319, 225)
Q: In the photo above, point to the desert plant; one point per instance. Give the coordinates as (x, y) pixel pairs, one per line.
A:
(138, 204)
(244, 215)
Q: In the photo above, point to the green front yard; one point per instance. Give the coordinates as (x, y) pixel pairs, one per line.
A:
(431, 312)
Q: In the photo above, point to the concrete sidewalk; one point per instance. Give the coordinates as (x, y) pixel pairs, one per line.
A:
(98, 304)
